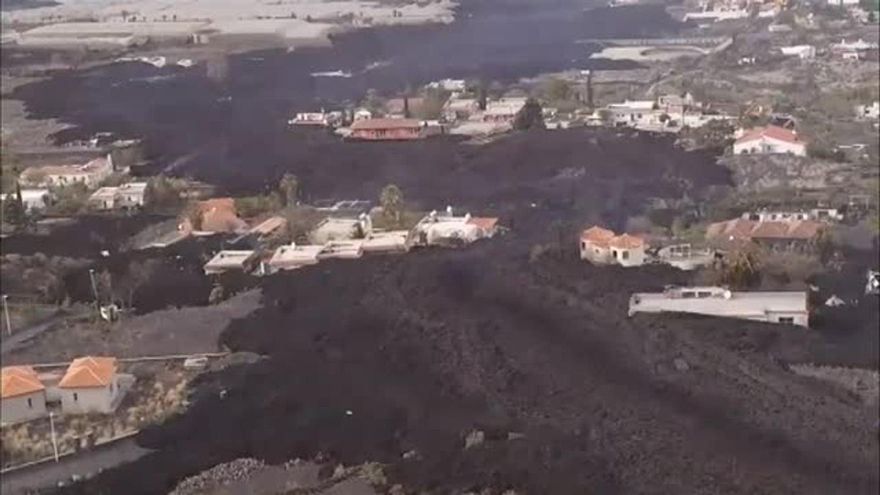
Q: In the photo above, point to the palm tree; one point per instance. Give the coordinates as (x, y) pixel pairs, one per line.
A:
(391, 200)
(289, 187)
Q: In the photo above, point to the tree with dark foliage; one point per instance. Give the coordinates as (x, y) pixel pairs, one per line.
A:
(530, 117)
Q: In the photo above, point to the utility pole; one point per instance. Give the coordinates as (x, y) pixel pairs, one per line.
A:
(6, 314)
(54, 439)
(95, 291)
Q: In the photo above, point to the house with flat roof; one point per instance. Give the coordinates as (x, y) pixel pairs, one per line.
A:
(344, 249)
(773, 307)
(769, 140)
(294, 256)
(340, 229)
(90, 385)
(446, 229)
(32, 199)
(228, 260)
(127, 196)
(22, 395)
(392, 241)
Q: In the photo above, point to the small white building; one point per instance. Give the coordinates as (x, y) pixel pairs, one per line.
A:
(393, 241)
(345, 249)
(769, 140)
(448, 84)
(310, 119)
(227, 260)
(450, 230)
(90, 385)
(604, 247)
(772, 307)
(362, 114)
(126, 196)
(869, 112)
(842, 3)
(22, 395)
(32, 199)
(457, 108)
(803, 52)
(293, 256)
(340, 229)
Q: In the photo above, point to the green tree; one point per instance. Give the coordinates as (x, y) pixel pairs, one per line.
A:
(391, 200)
(289, 187)
(530, 117)
(13, 209)
(741, 270)
(558, 90)
(162, 192)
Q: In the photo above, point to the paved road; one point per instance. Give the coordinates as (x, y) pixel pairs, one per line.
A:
(48, 474)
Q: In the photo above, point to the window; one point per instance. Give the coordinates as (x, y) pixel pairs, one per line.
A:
(30, 403)
(624, 255)
(75, 397)
(583, 245)
(688, 295)
(788, 320)
(614, 253)
(704, 294)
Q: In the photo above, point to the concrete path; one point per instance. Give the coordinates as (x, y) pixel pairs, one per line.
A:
(49, 474)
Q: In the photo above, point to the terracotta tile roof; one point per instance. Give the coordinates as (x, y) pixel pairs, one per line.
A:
(485, 223)
(772, 132)
(597, 235)
(218, 215)
(89, 371)
(626, 241)
(18, 380)
(378, 124)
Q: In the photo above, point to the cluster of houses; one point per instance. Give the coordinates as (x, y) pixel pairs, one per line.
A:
(89, 385)
(39, 182)
(355, 237)
(789, 231)
(667, 113)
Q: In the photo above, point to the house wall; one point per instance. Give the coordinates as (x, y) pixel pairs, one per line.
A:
(595, 254)
(797, 318)
(387, 134)
(17, 409)
(628, 257)
(88, 400)
(769, 146)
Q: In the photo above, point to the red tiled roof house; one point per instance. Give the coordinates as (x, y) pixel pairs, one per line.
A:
(387, 129)
(22, 395)
(604, 247)
(769, 140)
(90, 385)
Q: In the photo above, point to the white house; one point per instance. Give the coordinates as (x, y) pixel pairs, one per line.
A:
(22, 395)
(340, 229)
(604, 247)
(294, 256)
(91, 174)
(769, 140)
(772, 307)
(457, 108)
(362, 114)
(32, 199)
(842, 3)
(450, 230)
(393, 241)
(803, 52)
(870, 112)
(130, 195)
(90, 385)
(228, 260)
